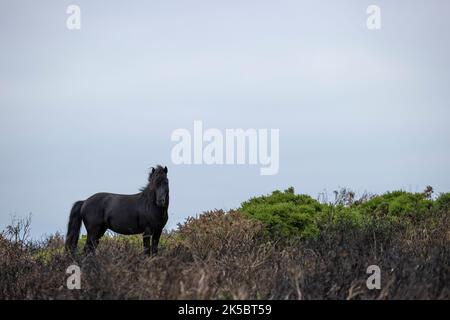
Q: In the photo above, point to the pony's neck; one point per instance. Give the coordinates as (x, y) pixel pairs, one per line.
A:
(149, 195)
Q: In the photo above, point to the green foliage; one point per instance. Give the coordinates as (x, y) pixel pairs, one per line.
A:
(443, 202)
(286, 213)
(337, 214)
(398, 205)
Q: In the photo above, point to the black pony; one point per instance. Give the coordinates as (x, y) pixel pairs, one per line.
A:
(144, 212)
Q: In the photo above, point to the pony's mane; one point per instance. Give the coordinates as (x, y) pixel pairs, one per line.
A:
(154, 178)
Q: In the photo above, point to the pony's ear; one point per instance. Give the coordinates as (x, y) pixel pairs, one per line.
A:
(165, 170)
(151, 173)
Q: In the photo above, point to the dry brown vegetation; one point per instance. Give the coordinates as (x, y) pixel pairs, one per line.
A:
(222, 255)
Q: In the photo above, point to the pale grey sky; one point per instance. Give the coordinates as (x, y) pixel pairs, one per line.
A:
(91, 110)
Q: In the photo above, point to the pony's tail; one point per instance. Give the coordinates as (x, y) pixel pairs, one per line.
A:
(73, 227)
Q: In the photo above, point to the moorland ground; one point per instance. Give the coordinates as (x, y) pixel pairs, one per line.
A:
(279, 246)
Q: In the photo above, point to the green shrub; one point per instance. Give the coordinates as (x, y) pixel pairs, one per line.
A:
(443, 202)
(286, 213)
(343, 214)
(397, 205)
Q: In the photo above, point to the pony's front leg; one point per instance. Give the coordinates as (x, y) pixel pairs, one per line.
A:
(155, 240)
(146, 239)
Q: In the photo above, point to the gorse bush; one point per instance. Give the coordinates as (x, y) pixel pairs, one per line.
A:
(285, 213)
(288, 214)
(443, 202)
(398, 205)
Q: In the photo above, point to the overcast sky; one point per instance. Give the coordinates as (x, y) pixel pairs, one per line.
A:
(91, 110)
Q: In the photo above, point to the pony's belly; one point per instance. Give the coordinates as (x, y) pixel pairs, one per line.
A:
(125, 229)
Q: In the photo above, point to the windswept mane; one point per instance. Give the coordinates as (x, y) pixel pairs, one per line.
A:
(154, 178)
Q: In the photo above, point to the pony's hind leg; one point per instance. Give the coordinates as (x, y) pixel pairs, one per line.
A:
(90, 245)
(93, 239)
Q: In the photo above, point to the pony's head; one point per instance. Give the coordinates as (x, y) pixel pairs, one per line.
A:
(159, 184)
